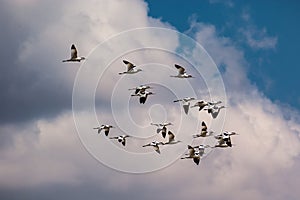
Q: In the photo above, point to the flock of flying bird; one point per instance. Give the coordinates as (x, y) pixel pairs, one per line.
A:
(213, 108)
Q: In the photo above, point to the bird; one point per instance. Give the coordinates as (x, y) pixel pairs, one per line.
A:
(162, 128)
(186, 103)
(202, 148)
(214, 110)
(155, 145)
(204, 132)
(74, 57)
(130, 68)
(194, 154)
(201, 104)
(140, 89)
(230, 133)
(121, 138)
(181, 72)
(143, 96)
(172, 138)
(223, 141)
(106, 129)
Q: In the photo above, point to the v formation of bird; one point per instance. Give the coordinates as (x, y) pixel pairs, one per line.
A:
(141, 91)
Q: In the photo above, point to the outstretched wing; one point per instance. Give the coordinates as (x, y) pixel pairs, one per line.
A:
(196, 160)
(186, 108)
(130, 66)
(171, 136)
(181, 70)
(73, 51)
(204, 127)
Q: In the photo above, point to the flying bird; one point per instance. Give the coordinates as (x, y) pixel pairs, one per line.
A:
(155, 145)
(162, 128)
(201, 104)
(204, 132)
(106, 129)
(214, 110)
(121, 139)
(194, 154)
(74, 57)
(181, 72)
(140, 89)
(143, 96)
(130, 68)
(172, 138)
(224, 141)
(186, 103)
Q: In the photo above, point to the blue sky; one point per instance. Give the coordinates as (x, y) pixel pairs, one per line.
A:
(275, 70)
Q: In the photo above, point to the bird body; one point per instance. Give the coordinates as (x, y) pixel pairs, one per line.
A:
(172, 138)
(214, 110)
(181, 72)
(130, 68)
(203, 132)
(74, 57)
(106, 129)
(162, 128)
(201, 104)
(140, 89)
(143, 96)
(155, 145)
(194, 154)
(224, 141)
(121, 139)
(186, 103)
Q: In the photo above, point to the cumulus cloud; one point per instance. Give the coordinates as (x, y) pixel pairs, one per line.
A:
(259, 39)
(46, 154)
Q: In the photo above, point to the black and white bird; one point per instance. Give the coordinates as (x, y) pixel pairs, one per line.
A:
(181, 72)
(155, 145)
(194, 154)
(143, 96)
(74, 57)
(224, 141)
(120, 138)
(201, 104)
(106, 129)
(214, 110)
(130, 68)
(172, 138)
(203, 132)
(186, 103)
(162, 128)
(140, 89)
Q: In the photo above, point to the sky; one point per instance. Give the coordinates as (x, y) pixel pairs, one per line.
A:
(242, 52)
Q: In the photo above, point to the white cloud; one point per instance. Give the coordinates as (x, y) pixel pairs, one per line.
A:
(259, 39)
(266, 152)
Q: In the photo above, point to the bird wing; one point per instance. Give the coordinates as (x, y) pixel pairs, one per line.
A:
(204, 127)
(196, 160)
(156, 148)
(164, 131)
(124, 142)
(154, 124)
(191, 151)
(177, 100)
(130, 66)
(143, 99)
(181, 70)
(116, 137)
(186, 108)
(171, 136)
(73, 51)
